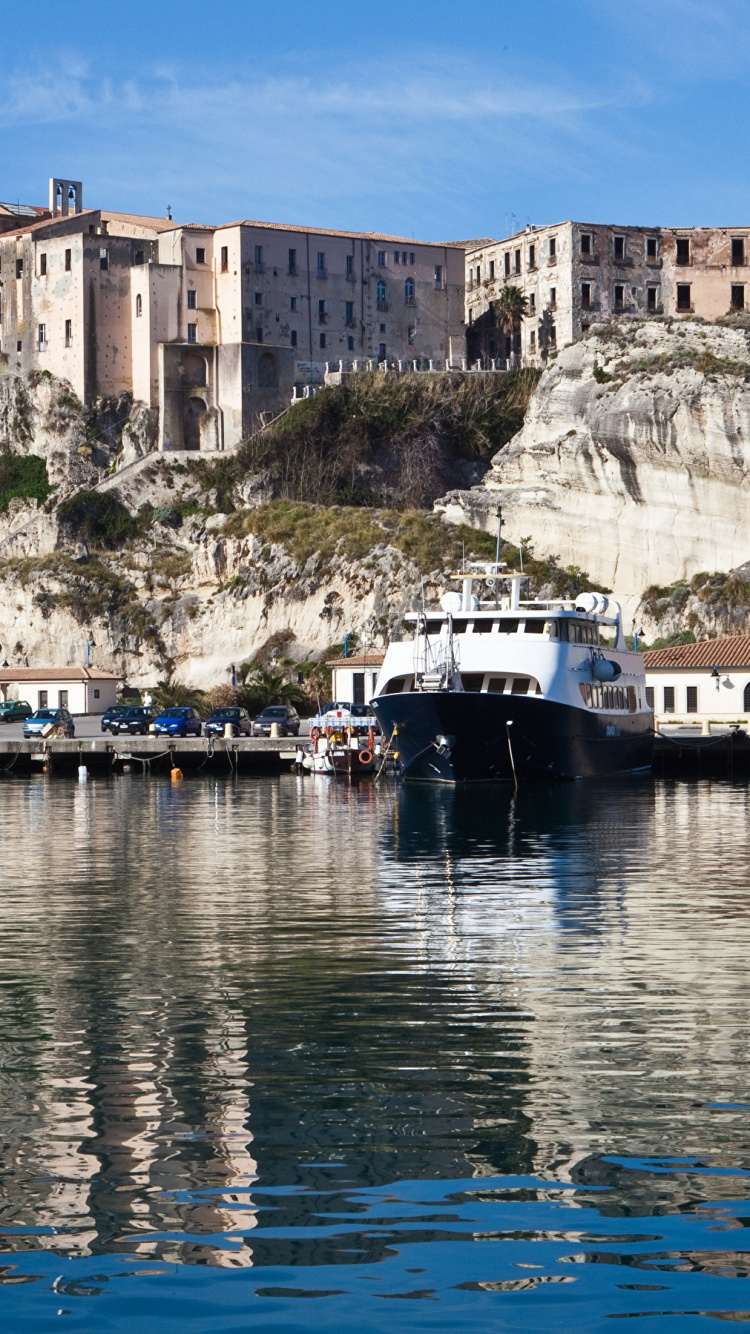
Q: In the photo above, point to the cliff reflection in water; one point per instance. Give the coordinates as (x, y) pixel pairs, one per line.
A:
(209, 987)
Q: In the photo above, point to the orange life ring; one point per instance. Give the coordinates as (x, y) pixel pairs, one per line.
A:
(365, 756)
(315, 733)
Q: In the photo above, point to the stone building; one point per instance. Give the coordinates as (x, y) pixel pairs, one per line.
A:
(214, 326)
(574, 274)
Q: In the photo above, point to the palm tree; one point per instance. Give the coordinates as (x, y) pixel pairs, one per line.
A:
(510, 308)
(263, 686)
(172, 694)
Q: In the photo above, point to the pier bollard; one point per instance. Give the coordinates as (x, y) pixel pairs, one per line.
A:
(152, 729)
(705, 727)
(275, 730)
(229, 729)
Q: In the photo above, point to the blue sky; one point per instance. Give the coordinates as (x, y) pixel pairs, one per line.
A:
(437, 120)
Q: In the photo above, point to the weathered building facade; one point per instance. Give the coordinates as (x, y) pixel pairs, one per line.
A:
(214, 326)
(575, 274)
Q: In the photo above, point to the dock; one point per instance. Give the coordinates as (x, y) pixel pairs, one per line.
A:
(151, 755)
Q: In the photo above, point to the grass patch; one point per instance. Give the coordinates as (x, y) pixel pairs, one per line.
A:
(23, 475)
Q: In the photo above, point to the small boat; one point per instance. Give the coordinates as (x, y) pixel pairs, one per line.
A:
(354, 758)
(348, 752)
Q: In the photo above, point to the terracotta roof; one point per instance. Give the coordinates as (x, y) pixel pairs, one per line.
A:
(47, 222)
(477, 244)
(358, 660)
(729, 651)
(156, 224)
(56, 674)
(329, 231)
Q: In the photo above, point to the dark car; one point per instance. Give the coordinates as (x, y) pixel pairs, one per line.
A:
(15, 709)
(239, 719)
(283, 714)
(179, 722)
(113, 712)
(38, 721)
(135, 721)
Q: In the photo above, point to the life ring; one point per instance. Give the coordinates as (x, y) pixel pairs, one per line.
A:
(365, 756)
(315, 733)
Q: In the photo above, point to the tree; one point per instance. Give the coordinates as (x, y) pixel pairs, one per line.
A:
(174, 695)
(262, 687)
(510, 308)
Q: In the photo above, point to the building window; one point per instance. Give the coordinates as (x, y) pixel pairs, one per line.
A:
(381, 352)
(532, 303)
(321, 264)
(532, 256)
(42, 336)
(350, 266)
(382, 328)
(68, 333)
(683, 250)
(552, 336)
(96, 694)
(532, 341)
(738, 296)
(350, 313)
(746, 698)
(553, 247)
(259, 335)
(517, 261)
(651, 248)
(438, 277)
(409, 292)
(586, 295)
(619, 297)
(259, 298)
(650, 696)
(619, 247)
(321, 312)
(669, 699)
(381, 259)
(138, 306)
(68, 260)
(471, 316)
(586, 246)
(293, 337)
(506, 263)
(350, 344)
(553, 297)
(192, 333)
(103, 259)
(200, 255)
(62, 699)
(292, 261)
(382, 296)
(396, 257)
(738, 251)
(652, 298)
(139, 257)
(412, 335)
(692, 699)
(43, 265)
(259, 259)
(224, 258)
(683, 296)
(412, 259)
(191, 299)
(322, 340)
(19, 268)
(43, 697)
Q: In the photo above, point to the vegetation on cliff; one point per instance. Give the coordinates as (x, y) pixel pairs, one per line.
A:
(22, 475)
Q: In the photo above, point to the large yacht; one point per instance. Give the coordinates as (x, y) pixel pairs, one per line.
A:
(502, 689)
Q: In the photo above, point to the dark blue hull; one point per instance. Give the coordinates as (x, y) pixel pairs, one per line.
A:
(449, 737)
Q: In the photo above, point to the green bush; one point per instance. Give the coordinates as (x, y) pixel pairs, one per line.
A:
(22, 475)
(100, 519)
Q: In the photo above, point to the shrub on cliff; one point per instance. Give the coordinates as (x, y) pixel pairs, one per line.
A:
(100, 519)
(22, 475)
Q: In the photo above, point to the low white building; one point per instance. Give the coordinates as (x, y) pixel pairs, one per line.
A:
(704, 682)
(354, 678)
(78, 689)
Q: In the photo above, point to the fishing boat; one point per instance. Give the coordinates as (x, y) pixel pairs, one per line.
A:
(502, 689)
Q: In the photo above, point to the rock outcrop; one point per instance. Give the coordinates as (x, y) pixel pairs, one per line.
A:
(634, 457)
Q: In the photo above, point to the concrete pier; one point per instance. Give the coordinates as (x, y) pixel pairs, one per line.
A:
(149, 754)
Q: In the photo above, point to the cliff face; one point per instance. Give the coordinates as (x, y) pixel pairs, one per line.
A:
(634, 457)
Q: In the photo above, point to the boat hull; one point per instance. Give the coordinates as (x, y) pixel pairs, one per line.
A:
(454, 737)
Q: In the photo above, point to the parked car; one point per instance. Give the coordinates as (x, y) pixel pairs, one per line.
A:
(239, 718)
(283, 714)
(135, 721)
(14, 710)
(112, 712)
(178, 722)
(38, 721)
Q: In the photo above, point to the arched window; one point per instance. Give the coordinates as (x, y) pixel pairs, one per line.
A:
(409, 290)
(139, 304)
(746, 699)
(382, 296)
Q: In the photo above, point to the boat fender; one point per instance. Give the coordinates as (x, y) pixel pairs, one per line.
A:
(365, 756)
(603, 669)
(370, 740)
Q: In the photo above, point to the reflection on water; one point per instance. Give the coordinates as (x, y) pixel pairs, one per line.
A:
(269, 1040)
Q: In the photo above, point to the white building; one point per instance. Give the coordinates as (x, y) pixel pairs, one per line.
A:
(78, 689)
(354, 678)
(704, 682)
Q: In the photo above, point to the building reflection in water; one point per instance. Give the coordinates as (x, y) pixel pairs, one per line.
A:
(208, 987)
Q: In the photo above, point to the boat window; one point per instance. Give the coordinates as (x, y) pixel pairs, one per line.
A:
(472, 681)
(520, 686)
(395, 685)
(632, 701)
(483, 627)
(460, 627)
(508, 627)
(434, 627)
(552, 629)
(496, 685)
(535, 627)
(609, 697)
(579, 632)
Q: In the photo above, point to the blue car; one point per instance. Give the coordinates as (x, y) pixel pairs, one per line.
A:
(43, 717)
(178, 722)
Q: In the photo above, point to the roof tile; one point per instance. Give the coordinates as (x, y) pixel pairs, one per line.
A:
(729, 651)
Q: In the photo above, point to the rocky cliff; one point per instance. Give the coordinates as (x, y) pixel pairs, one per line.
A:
(634, 456)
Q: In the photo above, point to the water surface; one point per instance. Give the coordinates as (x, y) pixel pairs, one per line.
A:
(278, 1054)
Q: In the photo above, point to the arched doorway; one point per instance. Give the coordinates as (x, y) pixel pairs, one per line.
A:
(194, 410)
(194, 370)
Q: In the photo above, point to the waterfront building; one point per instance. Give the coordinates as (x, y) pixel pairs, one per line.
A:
(215, 326)
(78, 689)
(575, 274)
(704, 682)
(354, 679)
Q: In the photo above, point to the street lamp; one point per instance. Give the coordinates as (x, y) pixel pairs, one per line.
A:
(715, 676)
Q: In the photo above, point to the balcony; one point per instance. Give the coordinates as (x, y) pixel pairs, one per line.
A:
(384, 305)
